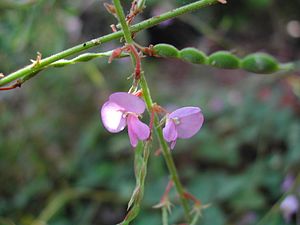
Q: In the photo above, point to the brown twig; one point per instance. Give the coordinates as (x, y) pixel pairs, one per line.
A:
(15, 85)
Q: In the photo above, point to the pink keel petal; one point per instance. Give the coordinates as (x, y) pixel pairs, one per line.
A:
(140, 129)
(129, 102)
(172, 144)
(132, 136)
(112, 117)
(169, 131)
(190, 121)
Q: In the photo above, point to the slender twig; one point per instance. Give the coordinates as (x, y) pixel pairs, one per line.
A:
(164, 216)
(61, 63)
(26, 71)
(146, 93)
(11, 87)
(141, 154)
(165, 150)
(165, 203)
(195, 219)
(140, 161)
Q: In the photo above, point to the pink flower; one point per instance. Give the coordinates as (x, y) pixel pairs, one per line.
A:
(289, 206)
(182, 123)
(121, 109)
(288, 182)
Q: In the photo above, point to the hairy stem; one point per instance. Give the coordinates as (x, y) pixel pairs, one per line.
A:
(165, 150)
(146, 93)
(140, 161)
(31, 69)
(121, 17)
(142, 153)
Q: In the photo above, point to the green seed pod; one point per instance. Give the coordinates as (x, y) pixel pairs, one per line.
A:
(166, 50)
(260, 63)
(192, 55)
(224, 60)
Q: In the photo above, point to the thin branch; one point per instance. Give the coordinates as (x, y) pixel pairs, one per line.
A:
(30, 69)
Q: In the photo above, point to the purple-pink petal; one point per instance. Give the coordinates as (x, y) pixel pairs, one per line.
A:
(132, 136)
(112, 117)
(169, 131)
(188, 121)
(289, 206)
(184, 111)
(129, 102)
(141, 130)
(172, 144)
(137, 130)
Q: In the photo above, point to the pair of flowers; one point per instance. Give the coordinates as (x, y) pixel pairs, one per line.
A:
(123, 109)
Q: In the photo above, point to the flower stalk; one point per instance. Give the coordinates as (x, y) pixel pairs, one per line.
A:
(141, 156)
(165, 150)
(149, 103)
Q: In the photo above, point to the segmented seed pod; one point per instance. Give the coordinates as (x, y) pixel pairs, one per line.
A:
(260, 63)
(166, 50)
(224, 60)
(192, 55)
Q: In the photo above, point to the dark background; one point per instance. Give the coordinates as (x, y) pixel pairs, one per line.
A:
(59, 166)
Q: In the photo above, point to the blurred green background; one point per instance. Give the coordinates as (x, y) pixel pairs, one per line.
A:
(58, 165)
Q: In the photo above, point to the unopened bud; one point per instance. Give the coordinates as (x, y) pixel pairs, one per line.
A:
(110, 8)
(115, 54)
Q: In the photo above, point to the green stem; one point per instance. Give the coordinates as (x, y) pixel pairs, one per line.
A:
(164, 216)
(125, 28)
(146, 93)
(142, 153)
(30, 69)
(165, 149)
(64, 62)
(121, 17)
(195, 219)
(140, 161)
